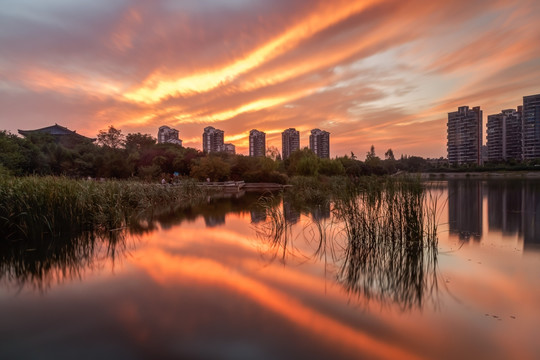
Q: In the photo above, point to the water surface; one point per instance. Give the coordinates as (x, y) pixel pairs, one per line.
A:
(210, 283)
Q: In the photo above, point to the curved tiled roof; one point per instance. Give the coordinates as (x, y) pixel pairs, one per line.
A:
(55, 130)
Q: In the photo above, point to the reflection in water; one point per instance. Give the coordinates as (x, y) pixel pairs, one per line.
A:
(531, 215)
(465, 208)
(290, 212)
(391, 249)
(505, 200)
(214, 220)
(513, 207)
(258, 214)
(320, 211)
(43, 262)
(191, 292)
(275, 232)
(39, 263)
(384, 245)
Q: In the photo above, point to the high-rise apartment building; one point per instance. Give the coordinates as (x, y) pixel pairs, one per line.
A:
(319, 143)
(212, 139)
(257, 143)
(290, 142)
(168, 135)
(531, 127)
(228, 148)
(465, 136)
(504, 135)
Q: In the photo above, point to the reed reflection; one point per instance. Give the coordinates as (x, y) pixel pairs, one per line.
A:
(382, 240)
(275, 231)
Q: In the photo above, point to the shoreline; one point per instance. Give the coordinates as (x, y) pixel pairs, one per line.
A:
(482, 175)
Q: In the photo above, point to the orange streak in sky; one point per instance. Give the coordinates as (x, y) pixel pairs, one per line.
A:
(156, 89)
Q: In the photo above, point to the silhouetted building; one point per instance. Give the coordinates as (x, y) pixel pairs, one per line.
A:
(465, 208)
(168, 135)
(257, 143)
(531, 127)
(465, 136)
(60, 134)
(228, 148)
(212, 139)
(290, 142)
(504, 135)
(319, 143)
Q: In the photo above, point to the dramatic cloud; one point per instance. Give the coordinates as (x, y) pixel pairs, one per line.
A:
(381, 72)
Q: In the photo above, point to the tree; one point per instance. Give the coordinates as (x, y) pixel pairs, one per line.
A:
(112, 138)
(211, 167)
(139, 141)
(273, 153)
(370, 155)
(302, 162)
(389, 155)
(331, 167)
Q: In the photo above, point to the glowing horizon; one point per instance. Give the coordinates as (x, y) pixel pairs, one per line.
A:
(379, 72)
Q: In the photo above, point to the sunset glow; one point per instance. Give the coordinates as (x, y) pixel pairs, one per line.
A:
(369, 72)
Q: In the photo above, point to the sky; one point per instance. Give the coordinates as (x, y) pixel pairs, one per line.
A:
(382, 73)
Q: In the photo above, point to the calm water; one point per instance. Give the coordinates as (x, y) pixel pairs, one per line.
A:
(211, 283)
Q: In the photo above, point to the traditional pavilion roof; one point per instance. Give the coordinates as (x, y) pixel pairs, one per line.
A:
(55, 130)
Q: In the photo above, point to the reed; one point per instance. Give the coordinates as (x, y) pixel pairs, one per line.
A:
(52, 229)
(46, 207)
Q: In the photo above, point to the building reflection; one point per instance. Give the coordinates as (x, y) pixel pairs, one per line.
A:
(505, 200)
(320, 211)
(214, 220)
(513, 208)
(465, 208)
(258, 214)
(530, 230)
(290, 213)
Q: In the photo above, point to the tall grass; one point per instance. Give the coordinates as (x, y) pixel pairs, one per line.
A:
(52, 228)
(45, 207)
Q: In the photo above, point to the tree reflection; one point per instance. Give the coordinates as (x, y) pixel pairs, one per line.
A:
(39, 263)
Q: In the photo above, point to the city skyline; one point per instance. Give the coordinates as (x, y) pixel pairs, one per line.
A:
(370, 72)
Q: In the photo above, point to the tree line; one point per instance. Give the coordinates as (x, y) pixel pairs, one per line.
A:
(136, 155)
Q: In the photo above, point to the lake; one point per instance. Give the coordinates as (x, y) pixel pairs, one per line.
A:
(221, 281)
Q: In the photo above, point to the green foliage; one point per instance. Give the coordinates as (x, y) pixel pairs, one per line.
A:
(331, 167)
(139, 141)
(112, 138)
(211, 167)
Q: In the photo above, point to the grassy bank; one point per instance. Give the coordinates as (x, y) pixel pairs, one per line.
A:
(48, 207)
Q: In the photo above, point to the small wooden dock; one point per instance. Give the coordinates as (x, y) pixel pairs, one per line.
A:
(234, 186)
